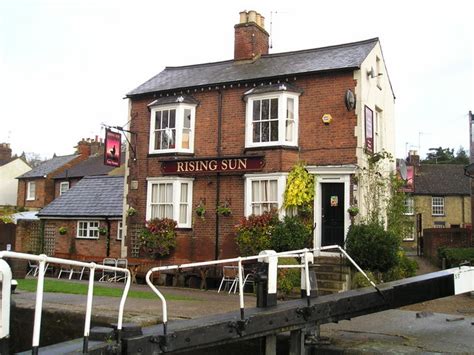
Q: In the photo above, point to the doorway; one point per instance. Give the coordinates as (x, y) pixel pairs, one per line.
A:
(332, 214)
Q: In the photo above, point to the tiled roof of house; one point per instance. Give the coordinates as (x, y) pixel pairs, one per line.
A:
(441, 179)
(344, 56)
(48, 166)
(93, 196)
(92, 166)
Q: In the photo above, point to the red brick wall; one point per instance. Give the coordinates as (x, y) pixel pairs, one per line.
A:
(319, 144)
(93, 248)
(434, 238)
(57, 183)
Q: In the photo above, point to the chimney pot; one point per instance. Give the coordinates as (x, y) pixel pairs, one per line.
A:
(259, 19)
(252, 16)
(243, 17)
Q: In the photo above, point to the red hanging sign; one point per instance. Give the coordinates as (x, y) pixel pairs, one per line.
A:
(113, 152)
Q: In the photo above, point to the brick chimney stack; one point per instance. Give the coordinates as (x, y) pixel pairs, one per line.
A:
(413, 158)
(5, 152)
(251, 39)
(88, 147)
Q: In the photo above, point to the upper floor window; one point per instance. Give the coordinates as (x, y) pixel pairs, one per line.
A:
(31, 190)
(88, 229)
(272, 116)
(437, 206)
(264, 192)
(172, 125)
(63, 187)
(409, 205)
(170, 198)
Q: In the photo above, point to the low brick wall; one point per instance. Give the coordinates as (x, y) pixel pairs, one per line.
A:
(434, 238)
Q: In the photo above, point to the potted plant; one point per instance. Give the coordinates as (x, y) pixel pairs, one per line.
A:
(223, 209)
(131, 212)
(353, 210)
(62, 230)
(102, 230)
(201, 210)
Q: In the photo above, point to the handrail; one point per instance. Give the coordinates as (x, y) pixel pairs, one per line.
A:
(43, 259)
(301, 253)
(6, 295)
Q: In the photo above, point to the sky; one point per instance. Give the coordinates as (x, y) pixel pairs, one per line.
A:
(66, 66)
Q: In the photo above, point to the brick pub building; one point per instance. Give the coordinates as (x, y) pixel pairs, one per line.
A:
(228, 133)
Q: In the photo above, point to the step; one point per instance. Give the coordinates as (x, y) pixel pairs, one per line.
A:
(333, 285)
(332, 276)
(332, 268)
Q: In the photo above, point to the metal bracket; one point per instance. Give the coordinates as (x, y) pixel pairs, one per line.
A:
(163, 341)
(239, 326)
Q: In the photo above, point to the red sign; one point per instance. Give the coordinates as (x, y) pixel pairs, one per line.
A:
(213, 165)
(112, 153)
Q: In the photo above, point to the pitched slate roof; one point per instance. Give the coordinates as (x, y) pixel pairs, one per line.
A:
(441, 179)
(92, 166)
(343, 56)
(48, 166)
(93, 196)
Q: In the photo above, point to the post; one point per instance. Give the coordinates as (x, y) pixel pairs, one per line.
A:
(267, 279)
(296, 342)
(5, 306)
(270, 344)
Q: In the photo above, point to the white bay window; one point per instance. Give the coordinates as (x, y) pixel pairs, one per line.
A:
(170, 198)
(271, 117)
(172, 125)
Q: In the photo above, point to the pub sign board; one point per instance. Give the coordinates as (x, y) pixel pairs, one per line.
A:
(112, 153)
(233, 165)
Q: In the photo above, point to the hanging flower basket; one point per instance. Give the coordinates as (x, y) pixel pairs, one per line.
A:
(131, 212)
(353, 211)
(224, 209)
(62, 230)
(201, 210)
(102, 230)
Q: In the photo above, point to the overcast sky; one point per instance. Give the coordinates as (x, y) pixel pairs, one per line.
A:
(65, 66)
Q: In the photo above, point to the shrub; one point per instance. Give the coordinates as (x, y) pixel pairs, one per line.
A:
(359, 280)
(372, 247)
(159, 236)
(290, 234)
(456, 256)
(405, 267)
(288, 279)
(254, 232)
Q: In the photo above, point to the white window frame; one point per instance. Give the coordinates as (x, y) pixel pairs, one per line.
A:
(282, 119)
(31, 190)
(119, 230)
(409, 206)
(91, 229)
(176, 182)
(411, 236)
(63, 187)
(437, 209)
(179, 126)
(281, 185)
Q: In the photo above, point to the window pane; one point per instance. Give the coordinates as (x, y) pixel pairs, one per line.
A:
(265, 109)
(154, 211)
(183, 213)
(165, 119)
(154, 193)
(172, 123)
(255, 191)
(184, 193)
(265, 131)
(187, 118)
(290, 106)
(162, 193)
(274, 131)
(169, 211)
(273, 190)
(169, 193)
(274, 109)
(256, 131)
(256, 110)
(158, 120)
(185, 143)
(289, 131)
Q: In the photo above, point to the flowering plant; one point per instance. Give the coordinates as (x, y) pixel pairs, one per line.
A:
(201, 210)
(131, 212)
(62, 230)
(102, 230)
(223, 209)
(353, 210)
(159, 236)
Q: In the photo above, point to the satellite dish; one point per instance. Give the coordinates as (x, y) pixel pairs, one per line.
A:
(402, 168)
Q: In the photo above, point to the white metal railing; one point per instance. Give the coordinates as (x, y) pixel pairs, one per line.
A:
(6, 295)
(42, 260)
(304, 254)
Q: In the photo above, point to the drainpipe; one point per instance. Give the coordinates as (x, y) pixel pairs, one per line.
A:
(107, 247)
(218, 177)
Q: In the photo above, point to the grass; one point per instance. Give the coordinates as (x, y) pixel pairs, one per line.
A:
(58, 286)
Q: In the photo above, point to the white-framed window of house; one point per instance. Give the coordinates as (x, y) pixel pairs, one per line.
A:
(172, 128)
(170, 198)
(411, 235)
(264, 192)
(378, 130)
(31, 190)
(119, 230)
(272, 119)
(63, 187)
(409, 205)
(88, 229)
(439, 224)
(437, 206)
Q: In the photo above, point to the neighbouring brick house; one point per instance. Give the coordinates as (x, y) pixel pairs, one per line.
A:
(229, 132)
(95, 203)
(439, 198)
(36, 188)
